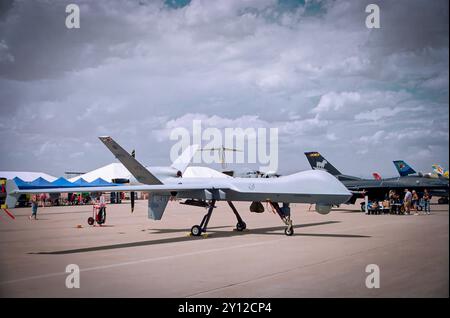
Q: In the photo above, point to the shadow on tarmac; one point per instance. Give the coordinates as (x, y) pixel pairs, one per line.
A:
(214, 234)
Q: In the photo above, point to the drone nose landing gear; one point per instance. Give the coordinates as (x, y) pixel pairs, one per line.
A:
(285, 215)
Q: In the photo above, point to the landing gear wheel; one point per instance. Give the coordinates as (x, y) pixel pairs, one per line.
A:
(289, 231)
(91, 221)
(196, 230)
(241, 226)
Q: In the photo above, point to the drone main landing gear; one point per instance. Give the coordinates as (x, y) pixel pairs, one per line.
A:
(285, 215)
(197, 230)
(240, 226)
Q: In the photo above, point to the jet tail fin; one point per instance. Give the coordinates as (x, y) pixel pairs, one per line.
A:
(376, 176)
(403, 168)
(438, 169)
(183, 161)
(318, 162)
(135, 167)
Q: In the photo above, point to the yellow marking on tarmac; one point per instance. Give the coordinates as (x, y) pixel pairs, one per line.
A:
(204, 235)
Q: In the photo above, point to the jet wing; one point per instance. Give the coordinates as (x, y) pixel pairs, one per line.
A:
(13, 192)
(125, 188)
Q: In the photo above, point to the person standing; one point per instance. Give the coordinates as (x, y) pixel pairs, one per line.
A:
(415, 202)
(43, 198)
(102, 200)
(391, 201)
(34, 207)
(426, 201)
(407, 201)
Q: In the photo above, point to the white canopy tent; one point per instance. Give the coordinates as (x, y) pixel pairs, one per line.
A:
(107, 173)
(118, 171)
(26, 175)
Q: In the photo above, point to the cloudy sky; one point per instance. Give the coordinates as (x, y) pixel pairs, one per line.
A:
(136, 69)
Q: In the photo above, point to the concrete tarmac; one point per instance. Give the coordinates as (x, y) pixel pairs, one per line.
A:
(132, 256)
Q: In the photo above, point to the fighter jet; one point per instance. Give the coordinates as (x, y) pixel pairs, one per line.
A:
(377, 189)
(440, 171)
(310, 186)
(405, 169)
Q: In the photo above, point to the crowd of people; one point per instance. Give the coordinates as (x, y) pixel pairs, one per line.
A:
(45, 200)
(78, 199)
(397, 204)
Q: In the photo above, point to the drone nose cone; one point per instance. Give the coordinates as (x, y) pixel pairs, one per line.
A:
(326, 183)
